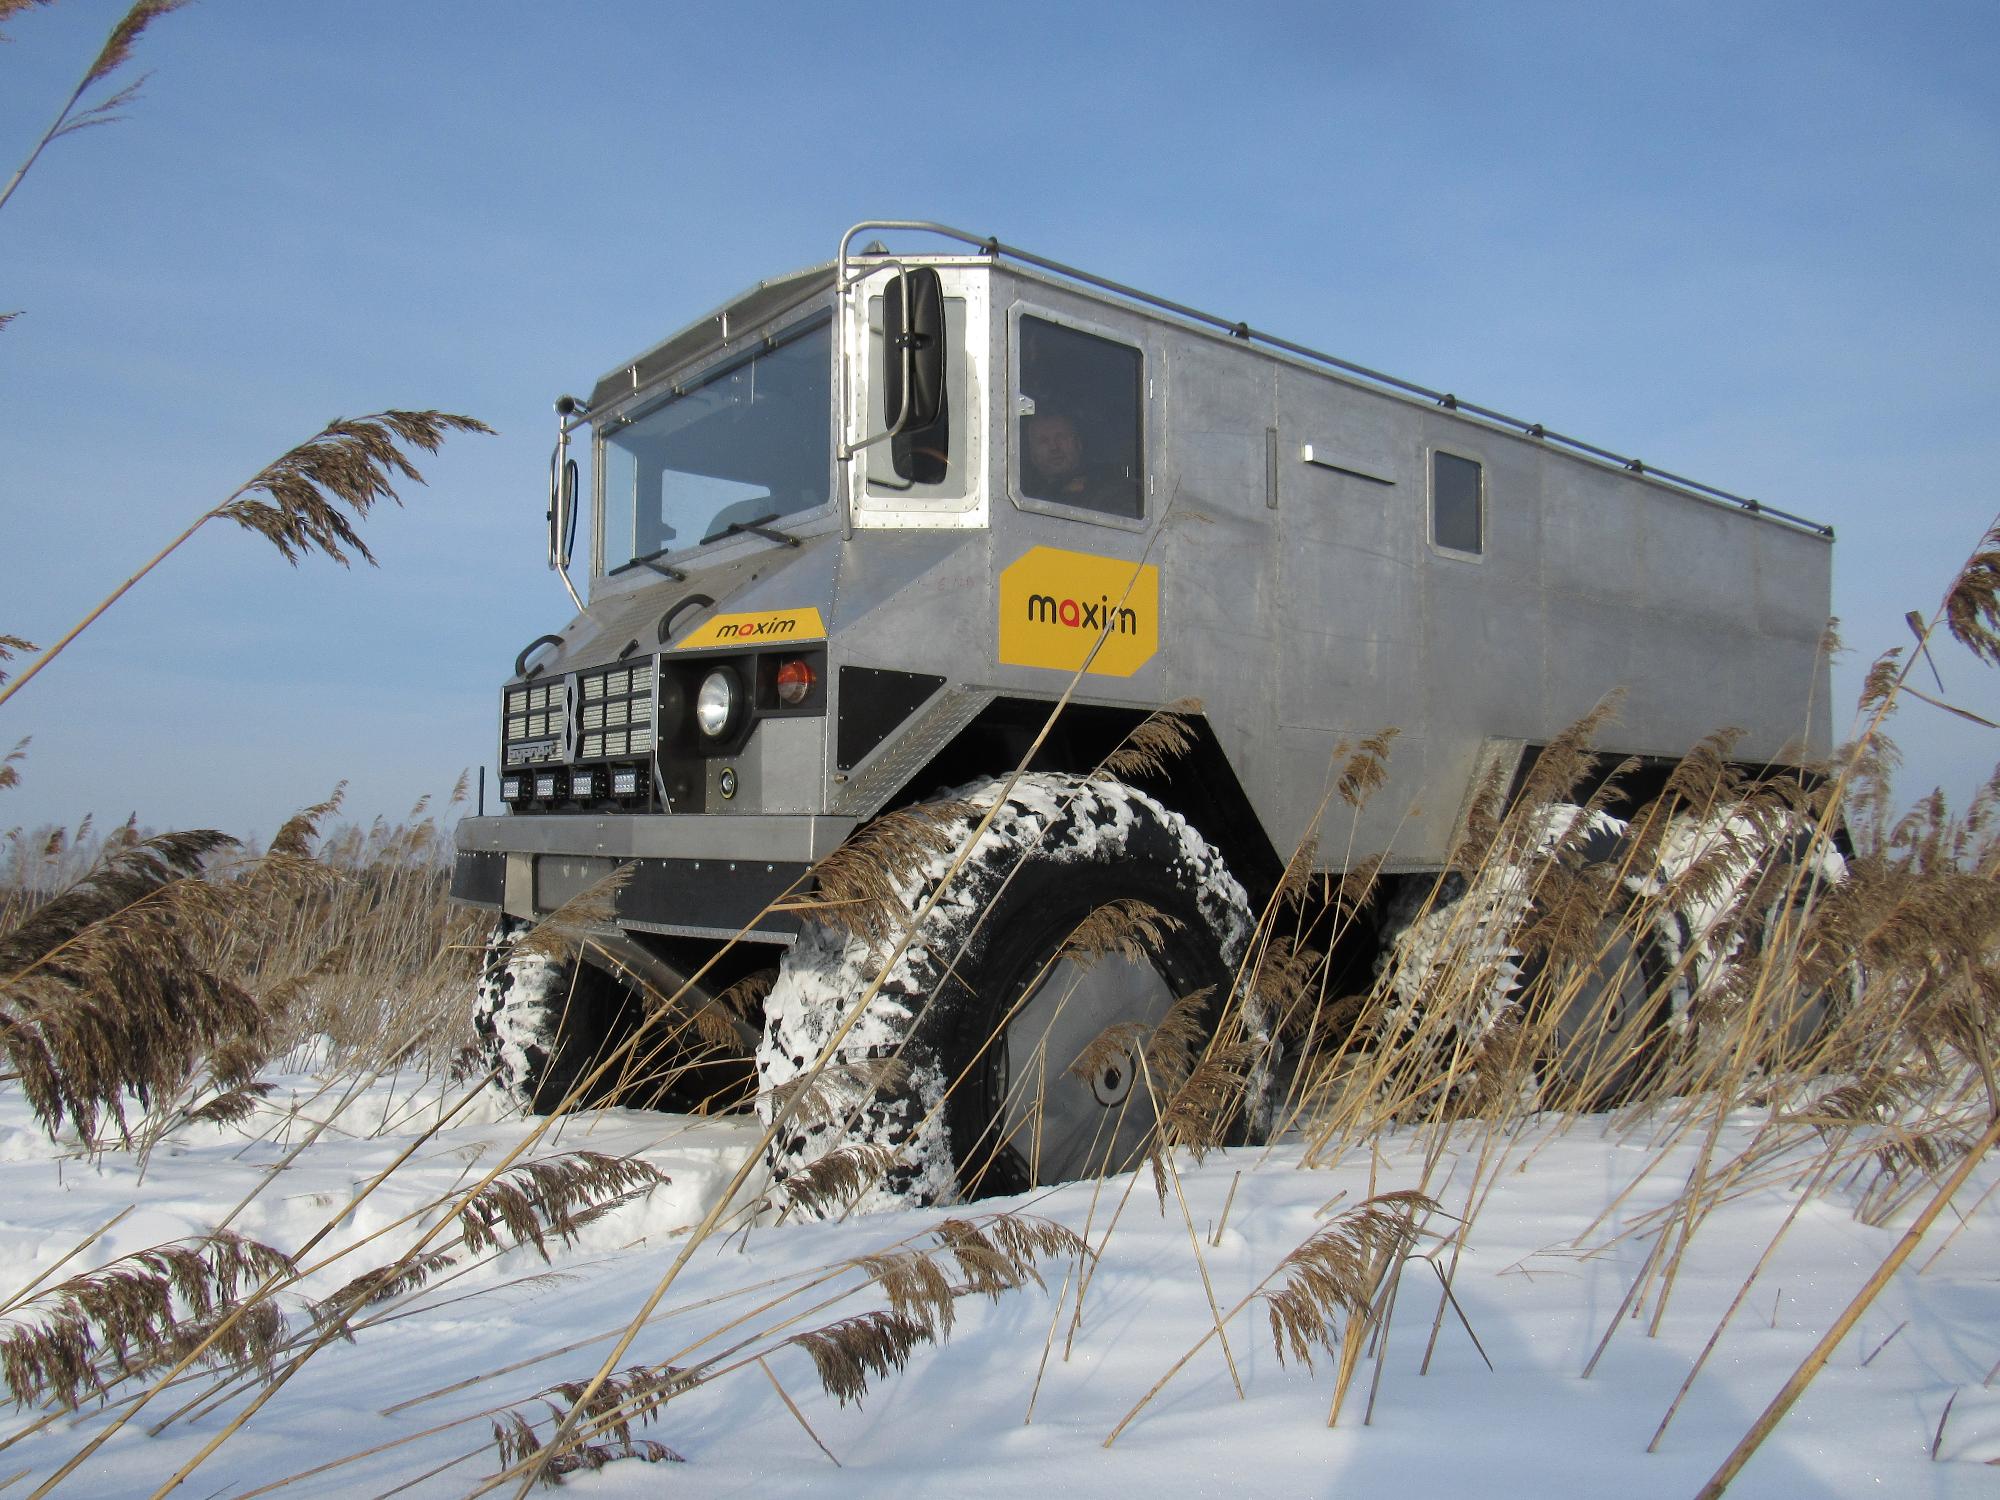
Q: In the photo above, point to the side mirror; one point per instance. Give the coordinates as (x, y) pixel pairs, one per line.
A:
(913, 327)
(568, 509)
(562, 508)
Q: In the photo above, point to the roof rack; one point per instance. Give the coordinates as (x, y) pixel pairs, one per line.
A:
(992, 246)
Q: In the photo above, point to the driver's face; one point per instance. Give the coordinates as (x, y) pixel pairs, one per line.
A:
(1053, 445)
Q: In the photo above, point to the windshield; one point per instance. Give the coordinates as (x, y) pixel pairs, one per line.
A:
(749, 441)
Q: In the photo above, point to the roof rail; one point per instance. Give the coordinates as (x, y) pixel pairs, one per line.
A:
(992, 246)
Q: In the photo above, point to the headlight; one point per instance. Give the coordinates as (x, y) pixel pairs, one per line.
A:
(715, 706)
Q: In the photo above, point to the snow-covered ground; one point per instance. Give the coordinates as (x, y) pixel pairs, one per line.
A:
(1539, 1282)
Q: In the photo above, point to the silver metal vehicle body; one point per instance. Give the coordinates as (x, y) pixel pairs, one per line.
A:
(1312, 551)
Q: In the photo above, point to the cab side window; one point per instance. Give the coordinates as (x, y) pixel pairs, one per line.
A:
(1080, 420)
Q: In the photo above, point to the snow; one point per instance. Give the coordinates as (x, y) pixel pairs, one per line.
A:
(1540, 1280)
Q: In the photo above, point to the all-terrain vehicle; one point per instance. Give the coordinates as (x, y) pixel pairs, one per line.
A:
(905, 546)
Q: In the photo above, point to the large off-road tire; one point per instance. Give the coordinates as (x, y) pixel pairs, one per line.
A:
(529, 1017)
(1750, 914)
(1605, 1035)
(1608, 1035)
(986, 1009)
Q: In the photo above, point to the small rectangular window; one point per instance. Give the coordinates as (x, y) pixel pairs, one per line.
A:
(1081, 427)
(1457, 493)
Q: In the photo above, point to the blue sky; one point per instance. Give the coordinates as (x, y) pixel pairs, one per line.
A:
(1751, 243)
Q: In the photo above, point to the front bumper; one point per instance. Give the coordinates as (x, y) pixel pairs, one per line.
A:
(692, 876)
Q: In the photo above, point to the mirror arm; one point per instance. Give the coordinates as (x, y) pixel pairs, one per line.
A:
(845, 450)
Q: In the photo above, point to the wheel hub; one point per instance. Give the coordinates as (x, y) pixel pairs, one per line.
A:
(1064, 1126)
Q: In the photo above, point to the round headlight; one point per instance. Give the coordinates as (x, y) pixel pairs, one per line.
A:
(715, 704)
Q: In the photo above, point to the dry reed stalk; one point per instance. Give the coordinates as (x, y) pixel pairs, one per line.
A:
(1049, 1339)
(10, 646)
(1324, 1275)
(29, 1288)
(351, 463)
(811, 1281)
(333, 1327)
(1381, 1343)
(1222, 1221)
(1692, 1194)
(1381, 1275)
(1103, 1243)
(1391, 1076)
(83, 1335)
(1742, 1294)
(1625, 1304)
(793, 1407)
(109, 986)
(1355, 891)
(1964, 1222)
(1475, 1198)
(245, 1307)
(1164, 735)
(1165, 1156)
(1870, 1358)
(113, 55)
(992, 1255)
(1811, 1365)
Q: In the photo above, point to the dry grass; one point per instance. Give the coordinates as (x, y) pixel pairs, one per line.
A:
(1465, 1038)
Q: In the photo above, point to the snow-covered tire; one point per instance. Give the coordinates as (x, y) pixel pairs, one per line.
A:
(1605, 1041)
(985, 966)
(1763, 876)
(1610, 1037)
(539, 1023)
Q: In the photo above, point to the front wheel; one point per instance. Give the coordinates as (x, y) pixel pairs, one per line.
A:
(554, 1030)
(539, 1020)
(1065, 982)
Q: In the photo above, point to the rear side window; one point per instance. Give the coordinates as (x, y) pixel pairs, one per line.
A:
(1079, 418)
(1458, 495)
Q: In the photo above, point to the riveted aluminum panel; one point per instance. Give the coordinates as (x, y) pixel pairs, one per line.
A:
(660, 835)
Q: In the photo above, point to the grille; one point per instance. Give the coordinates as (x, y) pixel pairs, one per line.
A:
(535, 724)
(599, 714)
(616, 717)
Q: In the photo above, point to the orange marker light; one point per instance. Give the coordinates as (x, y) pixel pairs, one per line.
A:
(795, 680)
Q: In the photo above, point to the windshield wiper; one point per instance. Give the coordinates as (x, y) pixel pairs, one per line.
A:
(759, 527)
(652, 560)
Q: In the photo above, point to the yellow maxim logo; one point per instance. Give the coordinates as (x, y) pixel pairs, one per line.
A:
(1056, 605)
(768, 625)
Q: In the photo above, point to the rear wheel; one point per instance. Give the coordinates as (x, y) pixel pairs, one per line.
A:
(1606, 1036)
(1751, 936)
(1595, 1020)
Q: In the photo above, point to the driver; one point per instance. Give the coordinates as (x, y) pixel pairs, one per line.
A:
(1054, 454)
